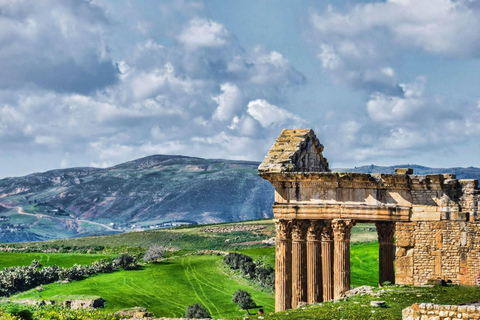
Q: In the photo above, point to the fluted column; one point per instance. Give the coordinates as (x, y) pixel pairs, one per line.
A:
(283, 265)
(385, 231)
(299, 261)
(314, 261)
(341, 274)
(327, 261)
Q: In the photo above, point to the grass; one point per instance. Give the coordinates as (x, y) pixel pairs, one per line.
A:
(8, 259)
(186, 238)
(397, 298)
(164, 289)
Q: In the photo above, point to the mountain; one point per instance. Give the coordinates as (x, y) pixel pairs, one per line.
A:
(147, 193)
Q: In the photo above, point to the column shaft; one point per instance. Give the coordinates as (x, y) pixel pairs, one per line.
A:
(341, 274)
(314, 262)
(299, 261)
(327, 261)
(386, 231)
(283, 266)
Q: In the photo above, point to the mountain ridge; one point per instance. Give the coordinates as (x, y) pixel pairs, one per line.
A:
(149, 192)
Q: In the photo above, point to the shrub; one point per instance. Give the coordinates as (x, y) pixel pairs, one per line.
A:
(197, 311)
(248, 268)
(243, 299)
(125, 261)
(154, 253)
(235, 260)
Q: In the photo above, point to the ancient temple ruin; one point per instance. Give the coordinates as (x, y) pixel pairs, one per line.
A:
(434, 219)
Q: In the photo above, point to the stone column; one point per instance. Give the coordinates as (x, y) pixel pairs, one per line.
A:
(385, 231)
(283, 265)
(327, 261)
(341, 274)
(314, 261)
(299, 261)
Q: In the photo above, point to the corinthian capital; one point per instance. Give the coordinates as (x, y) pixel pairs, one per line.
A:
(385, 231)
(299, 229)
(342, 229)
(327, 232)
(284, 229)
(315, 230)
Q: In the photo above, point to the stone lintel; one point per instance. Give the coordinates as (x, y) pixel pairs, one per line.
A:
(329, 212)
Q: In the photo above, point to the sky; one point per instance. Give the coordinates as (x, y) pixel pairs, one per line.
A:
(101, 82)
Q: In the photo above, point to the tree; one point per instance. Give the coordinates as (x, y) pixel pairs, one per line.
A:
(197, 311)
(243, 299)
(154, 253)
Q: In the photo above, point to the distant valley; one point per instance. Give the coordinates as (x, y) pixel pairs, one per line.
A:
(148, 193)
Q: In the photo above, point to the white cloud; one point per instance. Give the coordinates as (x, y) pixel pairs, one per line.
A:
(204, 33)
(267, 114)
(172, 97)
(359, 45)
(229, 102)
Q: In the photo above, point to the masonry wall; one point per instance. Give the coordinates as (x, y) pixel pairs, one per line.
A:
(429, 311)
(449, 250)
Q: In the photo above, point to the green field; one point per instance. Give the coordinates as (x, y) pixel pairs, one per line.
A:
(164, 289)
(66, 260)
(168, 287)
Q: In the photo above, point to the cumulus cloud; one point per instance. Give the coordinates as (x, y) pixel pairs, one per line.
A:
(359, 45)
(198, 92)
(267, 114)
(204, 33)
(54, 45)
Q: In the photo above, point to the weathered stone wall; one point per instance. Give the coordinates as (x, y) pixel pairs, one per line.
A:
(449, 250)
(430, 311)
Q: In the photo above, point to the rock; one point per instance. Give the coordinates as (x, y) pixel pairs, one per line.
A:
(359, 290)
(378, 304)
(141, 315)
(86, 304)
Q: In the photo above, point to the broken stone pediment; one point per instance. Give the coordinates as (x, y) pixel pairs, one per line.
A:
(296, 150)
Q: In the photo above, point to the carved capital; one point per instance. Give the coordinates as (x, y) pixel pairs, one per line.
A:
(299, 229)
(342, 229)
(315, 229)
(385, 231)
(327, 231)
(284, 229)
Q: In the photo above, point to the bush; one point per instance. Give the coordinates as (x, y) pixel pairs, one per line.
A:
(19, 312)
(154, 253)
(243, 299)
(125, 261)
(197, 311)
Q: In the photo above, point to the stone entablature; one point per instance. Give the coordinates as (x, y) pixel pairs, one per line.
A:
(435, 216)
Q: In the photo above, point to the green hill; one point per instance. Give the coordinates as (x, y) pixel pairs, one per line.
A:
(146, 193)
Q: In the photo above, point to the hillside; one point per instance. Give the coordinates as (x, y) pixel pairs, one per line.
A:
(142, 193)
(148, 193)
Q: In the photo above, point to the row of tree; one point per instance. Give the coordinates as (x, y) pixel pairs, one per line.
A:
(16, 279)
(265, 276)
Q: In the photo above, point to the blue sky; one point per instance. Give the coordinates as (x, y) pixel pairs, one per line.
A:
(96, 83)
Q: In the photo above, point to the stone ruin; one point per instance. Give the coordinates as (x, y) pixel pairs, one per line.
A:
(434, 218)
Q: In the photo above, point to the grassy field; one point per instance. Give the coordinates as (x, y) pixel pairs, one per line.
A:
(164, 289)
(66, 260)
(397, 298)
(194, 238)
(167, 288)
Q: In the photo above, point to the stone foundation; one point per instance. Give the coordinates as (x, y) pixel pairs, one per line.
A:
(430, 311)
